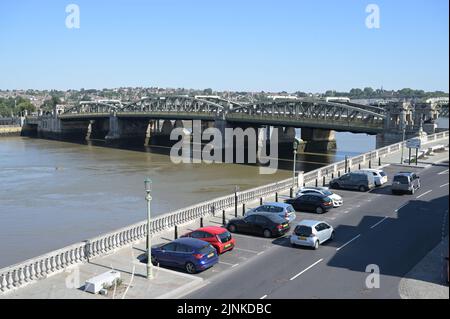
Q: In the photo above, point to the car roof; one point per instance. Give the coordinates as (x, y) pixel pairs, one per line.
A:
(371, 170)
(273, 217)
(404, 174)
(309, 222)
(284, 205)
(314, 194)
(314, 188)
(192, 242)
(215, 230)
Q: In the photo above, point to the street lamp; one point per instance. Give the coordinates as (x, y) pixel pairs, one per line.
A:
(295, 146)
(403, 144)
(148, 197)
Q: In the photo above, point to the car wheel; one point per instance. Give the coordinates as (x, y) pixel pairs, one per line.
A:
(334, 185)
(332, 236)
(190, 268)
(319, 210)
(412, 191)
(362, 188)
(293, 245)
(154, 261)
(267, 233)
(232, 228)
(316, 244)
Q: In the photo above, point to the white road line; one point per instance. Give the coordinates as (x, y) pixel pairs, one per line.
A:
(339, 248)
(228, 264)
(251, 237)
(443, 172)
(375, 225)
(424, 194)
(234, 265)
(444, 185)
(247, 250)
(263, 297)
(260, 253)
(306, 269)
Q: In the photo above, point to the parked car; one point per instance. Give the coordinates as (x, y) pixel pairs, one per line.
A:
(311, 233)
(379, 176)
(266, 224)
(219, 237)
(316, 203)
(405, 182)
(358, 180)
(283, 210)
(337, 200)
(190, 254)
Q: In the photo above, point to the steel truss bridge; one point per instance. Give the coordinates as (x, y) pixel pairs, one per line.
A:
(311, 113)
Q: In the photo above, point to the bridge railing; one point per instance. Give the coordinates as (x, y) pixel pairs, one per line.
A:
(54, 262)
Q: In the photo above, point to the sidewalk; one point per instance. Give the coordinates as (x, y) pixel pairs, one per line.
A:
(428, 279)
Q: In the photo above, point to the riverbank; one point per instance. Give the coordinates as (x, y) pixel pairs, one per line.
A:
(10, 130)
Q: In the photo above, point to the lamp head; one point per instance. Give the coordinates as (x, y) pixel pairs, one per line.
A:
(148, 185)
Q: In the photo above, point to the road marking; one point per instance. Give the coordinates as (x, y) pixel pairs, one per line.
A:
(444, 185)
(263, 297)
(375, 225)
(234, 265)
(443, 172)
(306, 269)
(247, 250)
(339, 248)
(228, 264)
(251, 237)
(260, 253)
(401, 207)
(424, 194)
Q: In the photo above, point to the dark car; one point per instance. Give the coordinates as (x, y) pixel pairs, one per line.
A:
(266, 224)
(358, 180)
(316, 203)
(191, 254)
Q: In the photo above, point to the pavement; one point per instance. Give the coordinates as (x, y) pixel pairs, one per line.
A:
(392, 233)
(428, 279)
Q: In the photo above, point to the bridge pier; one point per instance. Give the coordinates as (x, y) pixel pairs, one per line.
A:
(318, 140)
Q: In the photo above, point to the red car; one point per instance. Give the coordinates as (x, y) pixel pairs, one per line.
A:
(219, 237)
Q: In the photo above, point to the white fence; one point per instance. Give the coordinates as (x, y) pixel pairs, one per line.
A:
(33, 269)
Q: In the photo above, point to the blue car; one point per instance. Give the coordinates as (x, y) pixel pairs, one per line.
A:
(190, 254)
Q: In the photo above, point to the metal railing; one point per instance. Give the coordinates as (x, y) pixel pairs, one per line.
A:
(40, 267)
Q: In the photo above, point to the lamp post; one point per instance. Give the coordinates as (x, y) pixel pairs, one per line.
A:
(236, 190)
(403, 145)
(148, 197)
(295, 146)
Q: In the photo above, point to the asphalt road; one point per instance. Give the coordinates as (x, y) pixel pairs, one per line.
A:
(393, 232)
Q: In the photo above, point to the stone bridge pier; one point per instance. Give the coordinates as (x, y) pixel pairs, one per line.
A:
(318, 140)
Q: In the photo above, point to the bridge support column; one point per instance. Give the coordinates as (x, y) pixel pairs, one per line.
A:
(114, 129)
(318, 140)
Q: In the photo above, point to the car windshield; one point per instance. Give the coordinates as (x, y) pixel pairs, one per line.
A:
(290, 209)
(401, 179)
(382, 173)
(224, 237)
(327, 193)
(303, 231)
(327, 199)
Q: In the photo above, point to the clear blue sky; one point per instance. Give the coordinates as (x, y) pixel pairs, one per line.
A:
(225, 45)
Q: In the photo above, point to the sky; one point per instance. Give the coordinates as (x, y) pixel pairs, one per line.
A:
(239, 45)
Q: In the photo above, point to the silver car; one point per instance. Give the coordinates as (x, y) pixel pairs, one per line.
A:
(311, 233)
(405, 182)
(285, 211)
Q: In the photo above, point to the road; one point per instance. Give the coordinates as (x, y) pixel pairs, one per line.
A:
(376, 228)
